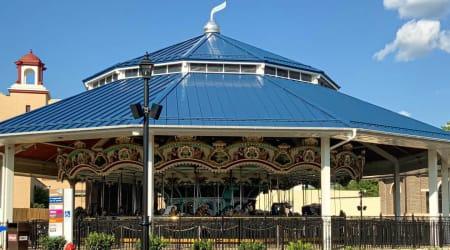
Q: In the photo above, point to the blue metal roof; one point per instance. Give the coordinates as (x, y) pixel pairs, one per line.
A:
(220, 100)
(212, 46)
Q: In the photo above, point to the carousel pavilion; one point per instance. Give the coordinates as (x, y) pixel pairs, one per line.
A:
(237, 121)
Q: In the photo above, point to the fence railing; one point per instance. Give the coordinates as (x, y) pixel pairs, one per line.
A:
(38, 229)
(273, 232)
(127, 232)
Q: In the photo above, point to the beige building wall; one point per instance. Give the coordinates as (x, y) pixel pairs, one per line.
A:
(344, 200)
(24, 190)
(15, 103)
(23, 94)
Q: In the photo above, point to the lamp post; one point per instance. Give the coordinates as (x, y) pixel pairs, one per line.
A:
(145, 71)
(361, 208)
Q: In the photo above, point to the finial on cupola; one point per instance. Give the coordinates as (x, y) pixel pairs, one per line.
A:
(211, 26)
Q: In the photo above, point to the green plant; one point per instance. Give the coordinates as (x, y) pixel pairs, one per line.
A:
(100, 241)
(40, 198)
(252, 246)
(52, 243)
(38, 205)
(349, 248)
(202, 245)
(156, 243)
(300, 245)
(371, 187)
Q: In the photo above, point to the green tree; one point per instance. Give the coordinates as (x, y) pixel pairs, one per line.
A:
(446, 127)
(369, 186)
(40, 198)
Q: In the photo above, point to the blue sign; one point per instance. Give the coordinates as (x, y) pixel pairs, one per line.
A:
(55, 199)
(67, 214)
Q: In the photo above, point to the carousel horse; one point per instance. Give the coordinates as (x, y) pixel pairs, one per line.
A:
(203, 211)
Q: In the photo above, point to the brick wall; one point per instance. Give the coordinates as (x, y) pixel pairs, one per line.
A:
(413, 193)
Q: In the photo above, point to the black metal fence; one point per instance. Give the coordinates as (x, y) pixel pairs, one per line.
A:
(229, 232)
(38, 229)
(391, 232)
(273, 232)
(127, 232)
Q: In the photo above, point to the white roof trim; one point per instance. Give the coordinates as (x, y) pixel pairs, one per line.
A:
(112, 131)
(183, 62)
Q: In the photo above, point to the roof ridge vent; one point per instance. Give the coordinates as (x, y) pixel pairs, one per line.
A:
(211, 26)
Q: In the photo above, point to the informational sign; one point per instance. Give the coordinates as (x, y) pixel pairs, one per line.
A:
(68, 214)
(60, 213)
(56, 213)
(12, 237)
(56, 199)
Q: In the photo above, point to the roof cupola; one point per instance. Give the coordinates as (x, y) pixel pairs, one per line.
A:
(30, 69)
(30, 74)
(211, 26)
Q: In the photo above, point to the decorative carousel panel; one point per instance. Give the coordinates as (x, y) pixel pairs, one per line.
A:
(98, 162)
(188, 154)
(181, 152)
(346, 162)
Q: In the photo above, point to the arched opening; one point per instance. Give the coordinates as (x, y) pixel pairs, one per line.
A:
(30, 76)
(114, 192)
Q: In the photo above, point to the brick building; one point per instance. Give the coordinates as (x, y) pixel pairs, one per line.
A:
(414, 194)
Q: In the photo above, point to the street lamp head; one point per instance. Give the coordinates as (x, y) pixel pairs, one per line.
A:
(146, 67)
(136, 110)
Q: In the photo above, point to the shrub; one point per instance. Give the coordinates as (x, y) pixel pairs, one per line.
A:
(52, 243)
(40, 198)
(100, 241)
(156, 243)
(300, 245)
(202, 245)
(252, 246)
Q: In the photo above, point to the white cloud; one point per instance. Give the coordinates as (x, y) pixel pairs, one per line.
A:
(444, 41)
(415, 39)
(419, 8)
(405, 113)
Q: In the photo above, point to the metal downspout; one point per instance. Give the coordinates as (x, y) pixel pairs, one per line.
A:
(350, 138)
(2, 184)
(2, 197)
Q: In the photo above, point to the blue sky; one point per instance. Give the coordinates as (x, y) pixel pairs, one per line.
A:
(78, 38)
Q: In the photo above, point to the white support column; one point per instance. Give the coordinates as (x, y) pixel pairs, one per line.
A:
(7, 185)
(150, 193)
(68, 205)
(397, 185)
(433, 198)
(444, 186)
(2, 235)
(325, 185)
